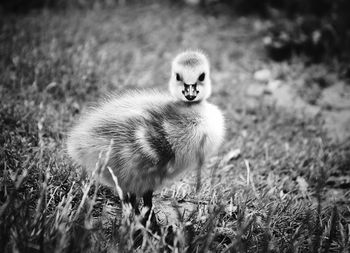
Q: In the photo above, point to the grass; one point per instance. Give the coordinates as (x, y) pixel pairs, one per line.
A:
(277, 196)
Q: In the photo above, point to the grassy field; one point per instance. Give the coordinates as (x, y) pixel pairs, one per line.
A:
(285, 192)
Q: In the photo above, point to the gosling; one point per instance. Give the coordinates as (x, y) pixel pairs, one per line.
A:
(155, 135)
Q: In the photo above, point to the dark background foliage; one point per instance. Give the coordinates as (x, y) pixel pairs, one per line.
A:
(317, 29)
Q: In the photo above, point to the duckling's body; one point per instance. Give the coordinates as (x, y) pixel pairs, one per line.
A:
(154, 138)
(155, 135)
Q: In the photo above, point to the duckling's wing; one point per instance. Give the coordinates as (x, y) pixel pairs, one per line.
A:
(113, 119)
(141, 153)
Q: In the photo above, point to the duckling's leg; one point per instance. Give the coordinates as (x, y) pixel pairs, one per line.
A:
(147, 202)
(201, 157)
(130, 198)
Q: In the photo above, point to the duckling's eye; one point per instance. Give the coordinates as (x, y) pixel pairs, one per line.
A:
(201, 77)
(178, 77)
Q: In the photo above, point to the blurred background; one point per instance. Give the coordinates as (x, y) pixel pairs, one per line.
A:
(280, 72)
(318, 29)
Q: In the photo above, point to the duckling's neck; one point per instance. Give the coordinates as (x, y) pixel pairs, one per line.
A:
(193, 103)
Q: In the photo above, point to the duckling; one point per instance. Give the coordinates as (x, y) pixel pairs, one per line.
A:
(156, 135)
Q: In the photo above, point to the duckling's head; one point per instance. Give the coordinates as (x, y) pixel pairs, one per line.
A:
(190, 77)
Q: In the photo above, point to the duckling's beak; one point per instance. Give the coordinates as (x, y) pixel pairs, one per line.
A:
(190, 91)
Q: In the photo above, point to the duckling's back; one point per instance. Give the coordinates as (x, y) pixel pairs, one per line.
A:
(154, 138)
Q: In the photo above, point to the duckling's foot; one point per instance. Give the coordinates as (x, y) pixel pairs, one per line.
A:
(130, 198)
(150, 221)
(137, 238)
(170, 235)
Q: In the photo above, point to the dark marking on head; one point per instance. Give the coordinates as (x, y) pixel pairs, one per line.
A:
(190, 60)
